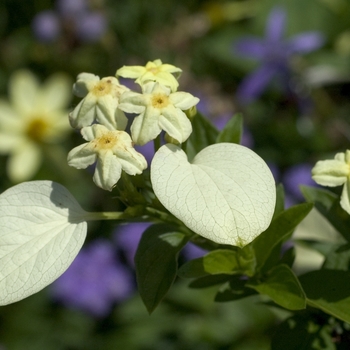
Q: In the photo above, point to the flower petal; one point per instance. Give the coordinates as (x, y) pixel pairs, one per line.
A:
(23, 90)
(9, 142)
(132, 72)
(56, 92)
(131, 161)
(305, 42)
(132, 102)
(84, 113)
(250, 47)
(255, 83)
(145, 126)
(81, 157)
(345, 197)
(84, 83)
(108, 171)
(330, 172)
(24, 162)
(276, 24)
(183, 100)
(175, 123)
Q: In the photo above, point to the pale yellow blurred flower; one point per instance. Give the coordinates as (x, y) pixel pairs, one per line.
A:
(34, 116)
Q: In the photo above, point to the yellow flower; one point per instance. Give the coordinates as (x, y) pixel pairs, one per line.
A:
(34, 116)
(99, 103)
(112, 150)
(158, 110)
(335, 172)
(153, 71)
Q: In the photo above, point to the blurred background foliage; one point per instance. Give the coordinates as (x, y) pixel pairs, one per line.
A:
(100, 36)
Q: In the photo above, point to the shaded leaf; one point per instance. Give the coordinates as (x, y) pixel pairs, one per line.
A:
(156, 262)
(283, 287)
(232, 132)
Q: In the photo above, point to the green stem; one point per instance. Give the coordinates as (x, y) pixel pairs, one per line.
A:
(107, 215)
(156, 143)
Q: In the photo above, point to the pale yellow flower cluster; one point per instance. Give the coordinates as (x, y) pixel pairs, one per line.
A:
(159, 107)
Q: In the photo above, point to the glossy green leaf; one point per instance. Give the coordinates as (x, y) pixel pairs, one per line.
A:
(279, 230)
(328, 204)
(204, 133)
(328, 290)
(283, 287)
(221, 261)
(156, 262)
(232, 132)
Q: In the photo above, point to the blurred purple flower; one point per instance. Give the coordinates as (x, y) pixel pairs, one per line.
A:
(94, 281)
(274, 54)
(127, 238)
(295, 176)
(46, 26)
(72, 18)
(192, 251)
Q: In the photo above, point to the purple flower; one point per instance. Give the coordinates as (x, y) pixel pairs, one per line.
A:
(94, 281)
(295, 176)
(274, 54)
(46, 26)
(127, 238)
(73, 19)
(192, 251)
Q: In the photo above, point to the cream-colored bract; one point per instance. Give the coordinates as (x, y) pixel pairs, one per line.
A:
(335, 172)
(42, 229)
(227, 194)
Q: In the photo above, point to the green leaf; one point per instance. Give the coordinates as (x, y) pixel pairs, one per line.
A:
(338, 259)
(328, 204)
(328, 290)
(208, 281)
(283, 287)
(279, 230)
(303, 333)
(232, 131)
(221, 261)
(156, 262)
(235, 289)
(279, 207)
(204, 133)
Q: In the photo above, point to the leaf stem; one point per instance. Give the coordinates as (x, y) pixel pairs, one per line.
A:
(107, 215)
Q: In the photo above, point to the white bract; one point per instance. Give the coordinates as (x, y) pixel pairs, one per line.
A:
(226, 195)
(100, 102)
(153, 71)
(159, 110)
(335, 172)
(36, 116)
(112, 149)
(42, 229)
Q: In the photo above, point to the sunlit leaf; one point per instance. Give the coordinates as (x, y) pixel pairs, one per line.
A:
(42, 229)
(227, 194)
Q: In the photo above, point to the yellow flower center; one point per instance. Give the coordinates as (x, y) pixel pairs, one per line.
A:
(106, 141)
(160, 100)
(154, 70)
(37, 129)
(102, 88)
